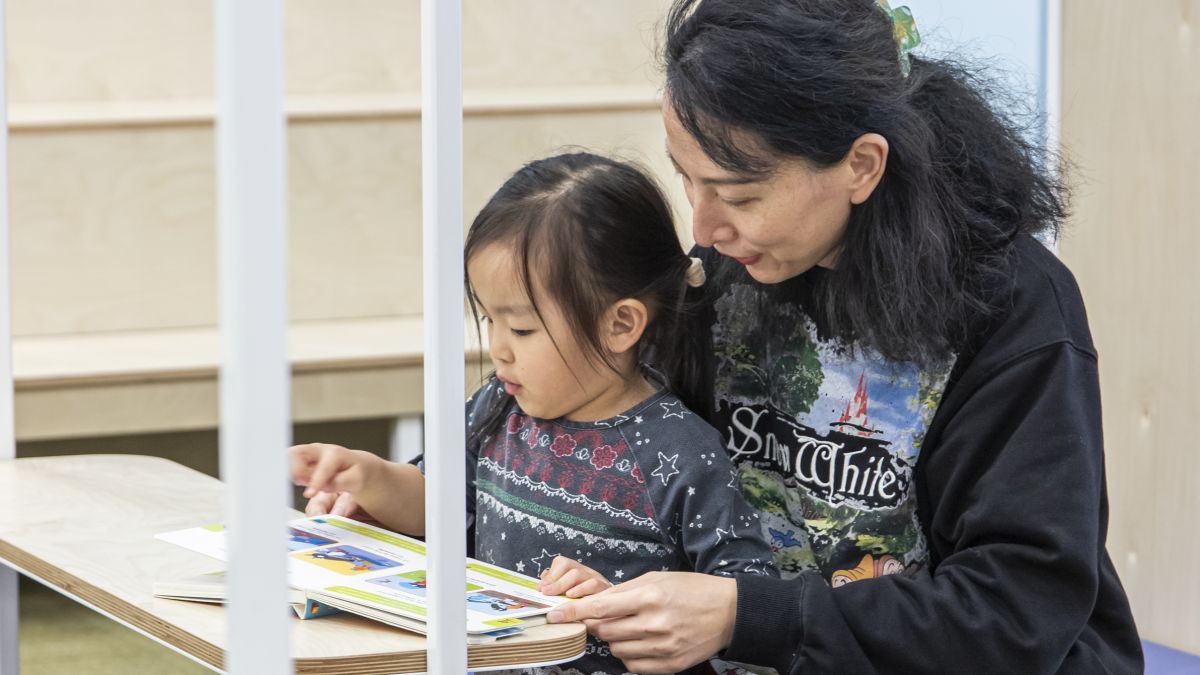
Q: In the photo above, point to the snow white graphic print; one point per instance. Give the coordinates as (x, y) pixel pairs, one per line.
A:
(826, 439)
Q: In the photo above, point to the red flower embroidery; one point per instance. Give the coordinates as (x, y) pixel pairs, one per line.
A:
(514, 423)
(587, 485)
(608, 492)
(563, 446)
(637, 473)
(603, 457)
(547, 472)
(564, 479)
(631, 500)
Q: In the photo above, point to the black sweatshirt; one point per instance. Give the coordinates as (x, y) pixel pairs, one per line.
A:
(1001, 567)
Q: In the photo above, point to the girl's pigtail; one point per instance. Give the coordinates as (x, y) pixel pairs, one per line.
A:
(683, 342)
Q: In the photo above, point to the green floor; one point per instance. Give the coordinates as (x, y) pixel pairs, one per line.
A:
(62, 637)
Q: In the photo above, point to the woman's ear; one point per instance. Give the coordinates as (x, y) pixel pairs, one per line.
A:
(623, 324)
(864, 166)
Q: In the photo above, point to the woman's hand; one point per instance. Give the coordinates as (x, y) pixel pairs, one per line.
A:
(571, 578)
(661, 622)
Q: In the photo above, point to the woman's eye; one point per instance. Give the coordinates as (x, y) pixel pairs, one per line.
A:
(737, 203)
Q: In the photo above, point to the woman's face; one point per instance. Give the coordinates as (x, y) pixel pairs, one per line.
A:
(778, 226)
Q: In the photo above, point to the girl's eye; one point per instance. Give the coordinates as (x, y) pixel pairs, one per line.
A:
(521, 333)
(737, 203)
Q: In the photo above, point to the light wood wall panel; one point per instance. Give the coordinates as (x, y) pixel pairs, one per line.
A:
(114, 229)
(1131, 104)
(84, 50)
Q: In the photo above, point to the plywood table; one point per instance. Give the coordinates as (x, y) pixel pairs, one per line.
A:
(84, 526)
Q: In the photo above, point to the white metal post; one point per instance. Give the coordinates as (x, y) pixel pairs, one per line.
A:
(1052, 85)
(445, 372)
(406, 438)
(254, 387)
(10, 661)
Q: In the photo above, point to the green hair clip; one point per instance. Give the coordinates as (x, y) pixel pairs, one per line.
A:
(904, 30)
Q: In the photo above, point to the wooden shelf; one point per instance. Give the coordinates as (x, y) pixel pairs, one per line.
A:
(301, 108)
(158, 381)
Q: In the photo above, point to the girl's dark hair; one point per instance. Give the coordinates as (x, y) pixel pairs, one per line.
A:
(924, 257)
(598, 230)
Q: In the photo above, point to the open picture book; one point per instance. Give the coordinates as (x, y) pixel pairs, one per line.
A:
(339, 563)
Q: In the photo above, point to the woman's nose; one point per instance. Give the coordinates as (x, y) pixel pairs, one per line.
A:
(709, 225)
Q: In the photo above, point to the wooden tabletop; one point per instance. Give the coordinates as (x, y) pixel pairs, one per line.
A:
(85, 525)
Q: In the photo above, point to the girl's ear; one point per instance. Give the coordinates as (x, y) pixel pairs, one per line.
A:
(864, 166)
(623, 325)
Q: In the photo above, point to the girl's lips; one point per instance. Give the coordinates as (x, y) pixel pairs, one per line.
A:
(749, 260)
(510, 388)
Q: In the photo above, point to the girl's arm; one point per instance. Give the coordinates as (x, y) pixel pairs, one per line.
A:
(394, 494)
(697, 497)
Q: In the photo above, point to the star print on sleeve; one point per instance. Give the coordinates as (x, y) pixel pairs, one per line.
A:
(731, 533)
(543, 560)
(673, 409)
(664, 472)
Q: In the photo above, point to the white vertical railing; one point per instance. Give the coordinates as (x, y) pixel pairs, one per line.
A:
(1052, 85)
(10, 662)
(441, 180)
(254, 387)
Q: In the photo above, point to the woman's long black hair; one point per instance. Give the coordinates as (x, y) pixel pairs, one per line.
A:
(586, 231)
(927, 254)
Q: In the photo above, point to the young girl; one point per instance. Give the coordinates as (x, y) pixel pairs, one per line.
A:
(576, 447)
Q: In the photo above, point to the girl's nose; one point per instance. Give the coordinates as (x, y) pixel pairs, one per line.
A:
(499, 351)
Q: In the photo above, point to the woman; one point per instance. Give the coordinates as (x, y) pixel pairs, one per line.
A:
(904, 376)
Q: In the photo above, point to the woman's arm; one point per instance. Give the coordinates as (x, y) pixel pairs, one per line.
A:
(1016, 506)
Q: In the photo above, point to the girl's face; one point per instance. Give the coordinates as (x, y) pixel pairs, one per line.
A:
(548, 381)
(778, 226)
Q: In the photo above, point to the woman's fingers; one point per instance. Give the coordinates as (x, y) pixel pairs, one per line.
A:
(660, 622)
(612, 603)
(587, 587)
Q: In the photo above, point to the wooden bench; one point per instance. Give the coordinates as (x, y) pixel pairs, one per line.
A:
(104, 384)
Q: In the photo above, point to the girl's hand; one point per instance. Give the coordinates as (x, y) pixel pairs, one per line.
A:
(331, 468)
(338, 504)
(661, 622)
(571, 578)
